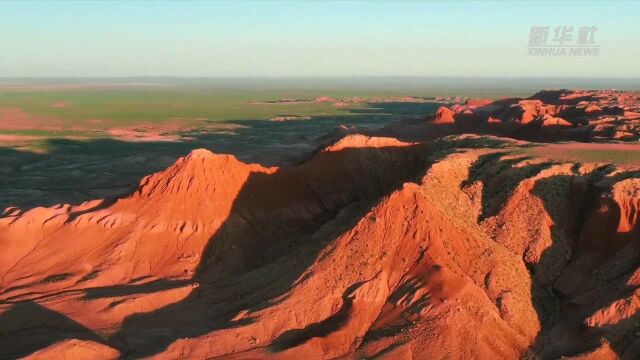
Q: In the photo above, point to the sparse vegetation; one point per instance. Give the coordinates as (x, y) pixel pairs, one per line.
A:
(56, 278)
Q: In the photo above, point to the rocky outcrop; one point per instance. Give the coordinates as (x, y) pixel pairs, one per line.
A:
(444, 115)
(373, 247)
(547, 116)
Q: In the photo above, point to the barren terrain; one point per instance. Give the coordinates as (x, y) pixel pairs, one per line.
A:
(497, 229)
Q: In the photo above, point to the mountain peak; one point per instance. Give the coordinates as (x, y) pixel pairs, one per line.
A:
(200, 153)
(199, 171)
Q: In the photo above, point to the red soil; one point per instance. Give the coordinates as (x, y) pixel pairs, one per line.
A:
(324, 99)
(59, 105)
(444, 115)
(18, 119)
(474, 256)
(546, 116)
(373, 247)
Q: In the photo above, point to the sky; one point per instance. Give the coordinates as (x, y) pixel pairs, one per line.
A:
(309, 38)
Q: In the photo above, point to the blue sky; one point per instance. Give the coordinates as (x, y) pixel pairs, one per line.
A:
(304, 38)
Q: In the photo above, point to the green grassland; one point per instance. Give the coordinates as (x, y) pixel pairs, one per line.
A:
(130, 106)
(121, 102)
(76, 159)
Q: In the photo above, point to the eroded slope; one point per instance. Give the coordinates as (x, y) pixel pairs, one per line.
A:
(463, 247)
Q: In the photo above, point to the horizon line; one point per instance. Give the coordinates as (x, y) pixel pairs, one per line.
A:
(320, 77)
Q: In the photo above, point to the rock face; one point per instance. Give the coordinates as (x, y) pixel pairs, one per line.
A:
(546, 116)
(463, 247)
(444, 115)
